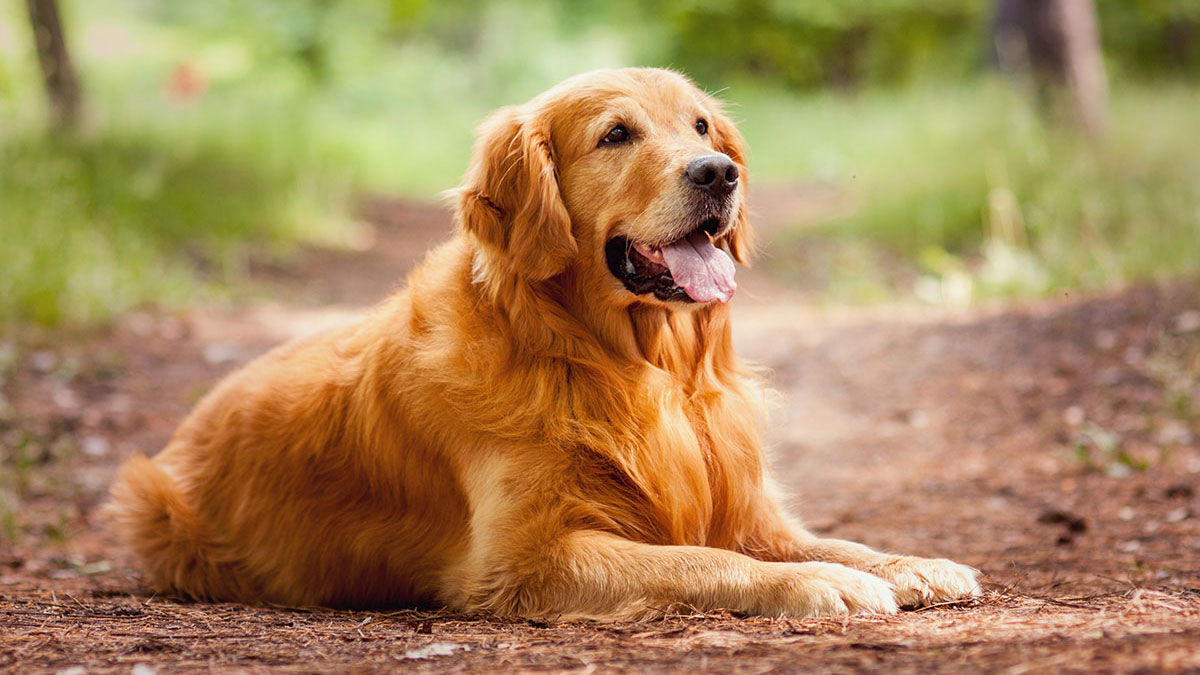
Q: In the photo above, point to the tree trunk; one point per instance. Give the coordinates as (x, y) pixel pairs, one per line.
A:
(62, 87)
(1059, 41)
(1084, 63)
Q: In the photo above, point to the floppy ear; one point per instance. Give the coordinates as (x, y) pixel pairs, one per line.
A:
(727, 139)
(509, 199)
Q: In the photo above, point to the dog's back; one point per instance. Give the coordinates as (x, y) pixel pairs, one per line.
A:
(290, 484)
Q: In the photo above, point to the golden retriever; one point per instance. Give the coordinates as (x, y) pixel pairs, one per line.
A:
(549, 420)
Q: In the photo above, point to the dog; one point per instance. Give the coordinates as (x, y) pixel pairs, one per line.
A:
(547, 421)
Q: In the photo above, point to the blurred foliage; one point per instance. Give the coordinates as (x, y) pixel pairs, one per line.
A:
(966, 191)
(811, 43)
(227, 126)
(1151, 37)
(796, 43)
(94, 227)
(807, 43)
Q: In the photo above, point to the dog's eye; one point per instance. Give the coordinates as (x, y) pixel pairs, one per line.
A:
(618, 134)
(702, 127)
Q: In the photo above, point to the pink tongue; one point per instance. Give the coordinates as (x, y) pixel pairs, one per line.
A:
(701, 269)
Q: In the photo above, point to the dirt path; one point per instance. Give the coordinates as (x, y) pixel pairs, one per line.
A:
(1052, 445)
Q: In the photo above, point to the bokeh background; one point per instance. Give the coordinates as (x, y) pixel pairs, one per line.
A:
(942, 150)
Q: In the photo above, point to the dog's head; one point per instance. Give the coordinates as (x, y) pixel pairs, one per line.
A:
(632, 179)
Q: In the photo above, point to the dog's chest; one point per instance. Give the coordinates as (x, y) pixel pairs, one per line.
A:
(691, 483)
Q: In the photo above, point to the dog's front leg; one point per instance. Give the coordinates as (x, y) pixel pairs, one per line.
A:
(599, 575)
(918, 581)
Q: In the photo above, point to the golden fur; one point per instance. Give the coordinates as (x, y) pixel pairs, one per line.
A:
(514, 432)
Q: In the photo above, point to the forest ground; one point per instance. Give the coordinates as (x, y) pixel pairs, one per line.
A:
(1052, 444)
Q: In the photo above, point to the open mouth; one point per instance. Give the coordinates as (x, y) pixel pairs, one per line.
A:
(690, 269)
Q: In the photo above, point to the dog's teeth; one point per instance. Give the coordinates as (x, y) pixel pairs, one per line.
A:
(647, 252)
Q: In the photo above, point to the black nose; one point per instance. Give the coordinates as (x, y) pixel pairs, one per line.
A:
(715, 174)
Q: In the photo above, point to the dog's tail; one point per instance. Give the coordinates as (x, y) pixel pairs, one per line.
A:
(152, 517)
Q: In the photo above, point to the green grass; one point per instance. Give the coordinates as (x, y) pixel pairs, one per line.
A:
(153, 200)
(92, 227)
(159, 200)
(969, 184)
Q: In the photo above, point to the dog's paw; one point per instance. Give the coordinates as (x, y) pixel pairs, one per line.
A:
(826, 589)
(925, 581)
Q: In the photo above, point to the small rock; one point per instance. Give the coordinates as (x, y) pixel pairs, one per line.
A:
(65, 398)
(1131, 546)
(1074, 416)
(432, 650)
(1173, 433)
(98, 567)
(43, 361)
(1177, 515)
(1117, 470)
(142, 669)
(95, 446)
(219, 353)
(1125, 513)
(1188, 321)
